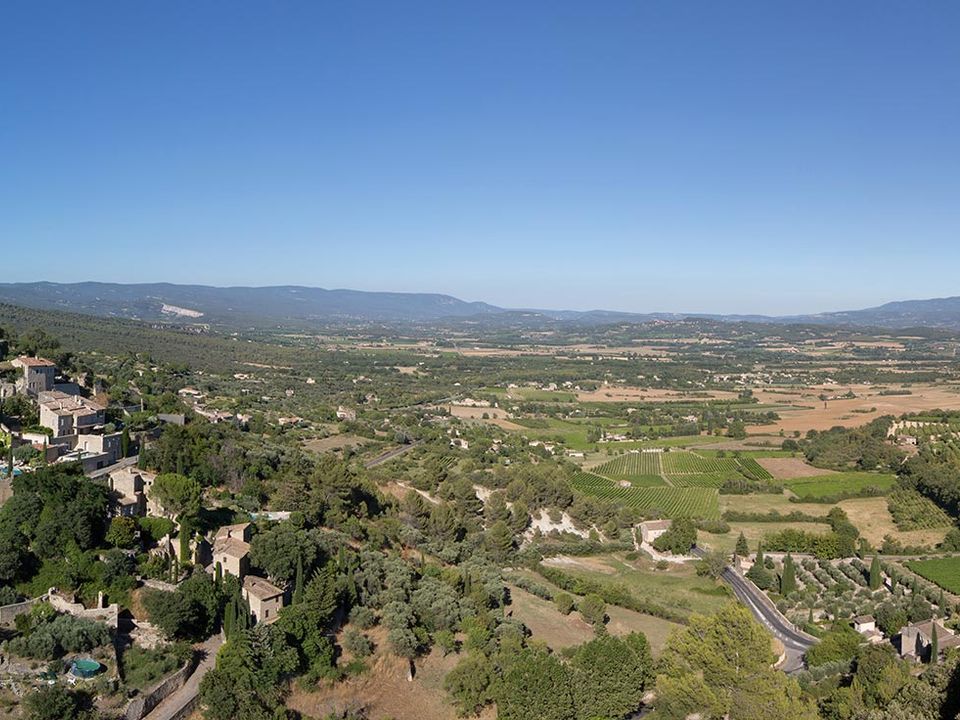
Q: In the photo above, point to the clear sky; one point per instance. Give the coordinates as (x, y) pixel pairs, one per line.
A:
(762, 156)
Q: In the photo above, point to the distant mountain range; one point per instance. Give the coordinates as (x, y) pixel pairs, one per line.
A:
(295, 305)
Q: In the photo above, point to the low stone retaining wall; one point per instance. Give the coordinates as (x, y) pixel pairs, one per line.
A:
(9, 613)
(140, 706)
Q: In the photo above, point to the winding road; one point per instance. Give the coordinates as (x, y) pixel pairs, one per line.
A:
(795, 642)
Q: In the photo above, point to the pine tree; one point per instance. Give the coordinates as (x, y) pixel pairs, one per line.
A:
(743, 549)
(788, 579)
(298, 582)
(934, 645)
(875, 573)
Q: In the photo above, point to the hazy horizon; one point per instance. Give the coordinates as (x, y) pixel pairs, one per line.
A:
(748, 158)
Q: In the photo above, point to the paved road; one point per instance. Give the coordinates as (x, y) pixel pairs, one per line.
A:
(391, 454)
(795, 643)
(173, 705)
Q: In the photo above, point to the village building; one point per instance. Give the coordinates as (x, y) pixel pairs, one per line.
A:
(652, 529)
(231, 549)
(264, 598)
(866, 625)
(69, 414)
(39, 374)
(916, 639)
(130, 486)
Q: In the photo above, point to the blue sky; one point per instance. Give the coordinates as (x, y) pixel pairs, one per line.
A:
(712, 156)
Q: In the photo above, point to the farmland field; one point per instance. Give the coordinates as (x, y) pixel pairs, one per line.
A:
(641, 463)
(945, 572)
(912, 511)
(838, 483)
(694, 502)
(688, 463)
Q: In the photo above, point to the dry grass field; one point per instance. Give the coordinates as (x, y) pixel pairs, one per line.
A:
(873, 520)
(791, 468)
(384, 691)
(868, 405)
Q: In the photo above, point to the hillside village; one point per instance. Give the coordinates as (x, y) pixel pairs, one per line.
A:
(170, 531)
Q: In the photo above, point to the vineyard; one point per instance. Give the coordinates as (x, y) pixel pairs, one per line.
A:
(912, 511)
(693, 502)
(945, 572)
(688, 463)
(643, 463)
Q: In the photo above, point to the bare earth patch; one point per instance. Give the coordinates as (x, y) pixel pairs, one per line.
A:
(869, 404)
(873, 520)
(384, 691)
(790, 468)
(584, 563)
(558, 631)
(334, 442)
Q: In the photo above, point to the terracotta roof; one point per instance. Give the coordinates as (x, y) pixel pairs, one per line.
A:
(232, 547)
(225, 530)
(35, 362)
(260, 588)
(656, 524)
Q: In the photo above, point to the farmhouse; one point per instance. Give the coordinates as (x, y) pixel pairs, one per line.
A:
(264, 598)
(866, 625)
(916, 639)
(652, 529)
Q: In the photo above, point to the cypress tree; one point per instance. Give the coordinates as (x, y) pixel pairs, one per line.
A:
(743, 549)
(788, 579)
(298, 581)
(229, 618)
(875, 573)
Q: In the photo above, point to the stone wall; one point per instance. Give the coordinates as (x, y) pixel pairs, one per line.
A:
(8, 613)
(140, 706)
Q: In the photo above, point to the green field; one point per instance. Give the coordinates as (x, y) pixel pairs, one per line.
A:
(838, 483)
(945, 572)
(913, 511)
(688, 463)
(695, 502)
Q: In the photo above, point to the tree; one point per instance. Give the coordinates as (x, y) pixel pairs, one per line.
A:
(500, 541)
(535, 686)
(875, 578)
(758, 573)
(610, 675)
(788, 578)
(723, 665)
(679, 538)
(122, 532)
(279, 550)
(53, 702)
(177, 494)
(469, 683)
(742, 550)
(564, 602)
(593, 609)
(712, 564)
